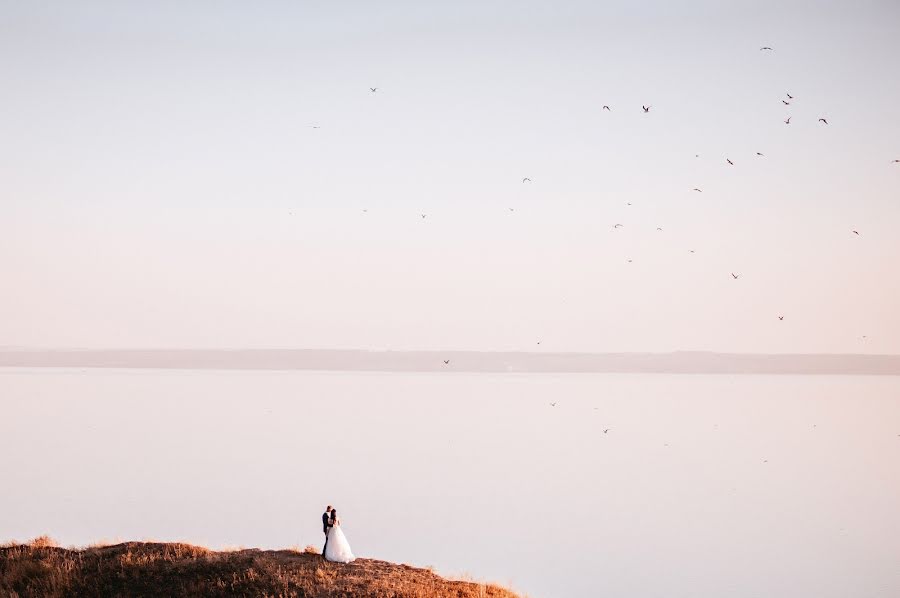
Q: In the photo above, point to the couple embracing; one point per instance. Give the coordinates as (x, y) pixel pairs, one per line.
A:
(337, 549)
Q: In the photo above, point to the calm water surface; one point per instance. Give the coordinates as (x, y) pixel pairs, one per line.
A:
(704, 486)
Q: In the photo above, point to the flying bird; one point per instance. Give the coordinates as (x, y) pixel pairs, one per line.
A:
(618, 226)
(765, 48)
(646, 109)
(790, 97)
(759, 154)
(446, 362)
(895, 161)
(735, 276)
(553, 404)
(373, 89)
(788, 121)
(606, 430)
(785, 102)
(855, 232)
(698, 190)
(822, 120)
(423, 216)
(729, 161)
(605, 108)
(780, 317)
(526, 180)
(315, 127)
(658, 228)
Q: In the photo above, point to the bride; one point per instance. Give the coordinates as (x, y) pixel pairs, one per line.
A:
(338, 549)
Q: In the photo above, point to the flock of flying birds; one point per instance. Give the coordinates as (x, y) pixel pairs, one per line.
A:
(787, 101)
(646, 110)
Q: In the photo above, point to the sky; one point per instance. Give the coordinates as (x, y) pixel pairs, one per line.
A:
(219, 175)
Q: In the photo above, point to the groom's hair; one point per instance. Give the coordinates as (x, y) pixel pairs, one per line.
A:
(328, 508)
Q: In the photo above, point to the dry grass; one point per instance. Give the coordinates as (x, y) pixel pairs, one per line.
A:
(43, 542)
(41, 569)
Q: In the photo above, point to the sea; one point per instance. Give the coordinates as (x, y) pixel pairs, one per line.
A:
(556, 485)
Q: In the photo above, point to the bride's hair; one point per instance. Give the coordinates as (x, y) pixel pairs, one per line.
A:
(334, 512)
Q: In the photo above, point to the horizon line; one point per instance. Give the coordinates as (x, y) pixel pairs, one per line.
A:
(15, 348)
(678, 362)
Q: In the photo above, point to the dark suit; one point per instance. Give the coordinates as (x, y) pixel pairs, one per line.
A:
(327, 522)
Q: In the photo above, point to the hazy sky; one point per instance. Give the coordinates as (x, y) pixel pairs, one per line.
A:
(163, 185)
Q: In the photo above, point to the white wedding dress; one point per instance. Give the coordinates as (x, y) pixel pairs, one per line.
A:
(338, 549)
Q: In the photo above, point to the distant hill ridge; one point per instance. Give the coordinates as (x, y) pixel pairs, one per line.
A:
(138, 569)
(682, 362)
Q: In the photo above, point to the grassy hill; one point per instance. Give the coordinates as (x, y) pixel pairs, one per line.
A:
(39, 569)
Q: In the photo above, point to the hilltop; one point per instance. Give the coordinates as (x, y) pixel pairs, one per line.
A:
(41, 570)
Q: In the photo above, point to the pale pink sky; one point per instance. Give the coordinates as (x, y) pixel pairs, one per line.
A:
(164, 187)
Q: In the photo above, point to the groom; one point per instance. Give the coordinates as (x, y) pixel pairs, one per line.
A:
(327, 523)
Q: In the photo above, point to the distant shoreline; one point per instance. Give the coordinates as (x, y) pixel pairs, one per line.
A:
(682, 362)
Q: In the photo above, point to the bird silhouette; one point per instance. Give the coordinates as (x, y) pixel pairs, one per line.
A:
(788, 121)
(765, 48)
(373, 89)
(423, 216)
(822, 120)
(759, 154)
(790, 97)
(446, 362)
(780, 317)
(315, 127)
(606, 430)
(646, 109)
(855, 232)
(605, 108)
(895, 161)
(553, 404)
(618, 225)
(526, 180)
(658, 228)
(785, 102)
(735, 276)
(512, 210)
(698, 190)
(729, 161)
